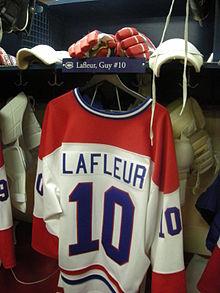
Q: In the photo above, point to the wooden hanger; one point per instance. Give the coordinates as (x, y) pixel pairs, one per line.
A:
(114, 80)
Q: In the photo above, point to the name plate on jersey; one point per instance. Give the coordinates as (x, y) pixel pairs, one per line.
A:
(114, 164)
(105, 65)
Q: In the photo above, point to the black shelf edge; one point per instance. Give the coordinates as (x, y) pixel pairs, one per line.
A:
(211, 65)
(36, 67)
(32, 67)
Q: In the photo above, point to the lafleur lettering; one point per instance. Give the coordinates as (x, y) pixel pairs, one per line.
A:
(129, 172)
(84, 65)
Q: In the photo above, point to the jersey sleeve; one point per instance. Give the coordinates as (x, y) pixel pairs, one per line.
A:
(208, 205)
(45, 230)
(7, 253)
(165, 225)
(210, 281)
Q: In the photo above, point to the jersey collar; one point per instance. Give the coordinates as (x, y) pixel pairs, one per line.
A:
(112, 114)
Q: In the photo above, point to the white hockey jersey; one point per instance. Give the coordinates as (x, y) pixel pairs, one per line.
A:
(106, 201)
(7, 254)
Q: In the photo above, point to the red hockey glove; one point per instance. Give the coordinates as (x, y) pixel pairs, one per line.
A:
(132, 43)
(94, 44)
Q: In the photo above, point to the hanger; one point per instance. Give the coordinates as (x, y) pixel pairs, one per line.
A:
(20, 82)
(117, 96)
(55, 83)
(114, 80)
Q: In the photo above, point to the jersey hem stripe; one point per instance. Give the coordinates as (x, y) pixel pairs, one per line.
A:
(86, 279)
(94, 267)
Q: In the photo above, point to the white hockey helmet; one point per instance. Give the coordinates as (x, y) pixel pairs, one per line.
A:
(174, 49)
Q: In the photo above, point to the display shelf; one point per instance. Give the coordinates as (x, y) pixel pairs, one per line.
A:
(113, 65)
(211, 65)
(32, 67)
(89, 65)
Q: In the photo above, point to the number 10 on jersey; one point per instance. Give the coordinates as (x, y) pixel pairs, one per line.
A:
(83, 196)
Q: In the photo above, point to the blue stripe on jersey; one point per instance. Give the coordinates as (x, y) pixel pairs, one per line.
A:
(88, 278)
(113, 115)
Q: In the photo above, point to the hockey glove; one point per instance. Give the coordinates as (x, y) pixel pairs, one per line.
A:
(132, 43)
(94, 44)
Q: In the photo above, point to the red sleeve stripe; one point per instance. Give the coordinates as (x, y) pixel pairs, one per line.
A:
(7, 253)
(171, 283)
(42, 240)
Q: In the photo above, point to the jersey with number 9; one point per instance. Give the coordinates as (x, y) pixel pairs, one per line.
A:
(7, 254)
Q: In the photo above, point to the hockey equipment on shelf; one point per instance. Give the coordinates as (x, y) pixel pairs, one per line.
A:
(6, 59)
(132, 43)
(94, 44)
(174, 49)
(39, 54)
(127, 42)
